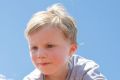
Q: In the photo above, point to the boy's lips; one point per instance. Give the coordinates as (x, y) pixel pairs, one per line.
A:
(43, 64)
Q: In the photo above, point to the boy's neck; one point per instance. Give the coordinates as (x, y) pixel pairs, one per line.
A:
(61, 75)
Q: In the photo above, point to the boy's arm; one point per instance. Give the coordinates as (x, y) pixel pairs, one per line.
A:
(35, 75)
(92, 72)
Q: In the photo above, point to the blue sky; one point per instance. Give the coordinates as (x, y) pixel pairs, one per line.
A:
(98, 23)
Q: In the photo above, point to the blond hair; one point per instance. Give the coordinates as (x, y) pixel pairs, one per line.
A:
(56, 16)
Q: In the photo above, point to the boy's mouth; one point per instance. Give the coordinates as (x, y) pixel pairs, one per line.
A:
(43, 64)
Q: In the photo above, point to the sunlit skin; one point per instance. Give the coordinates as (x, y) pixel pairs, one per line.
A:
(50, 52)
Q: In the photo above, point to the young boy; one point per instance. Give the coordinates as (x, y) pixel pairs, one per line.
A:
(51, 37)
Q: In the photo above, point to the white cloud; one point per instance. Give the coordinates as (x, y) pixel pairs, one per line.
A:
(3, 77)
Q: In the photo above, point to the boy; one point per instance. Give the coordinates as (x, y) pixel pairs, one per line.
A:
(51, 37)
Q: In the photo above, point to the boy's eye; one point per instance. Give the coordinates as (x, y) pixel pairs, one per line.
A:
(34, 48)
(49, 46)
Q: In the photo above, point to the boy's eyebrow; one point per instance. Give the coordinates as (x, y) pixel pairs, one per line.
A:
(31, 45)
(50, 43)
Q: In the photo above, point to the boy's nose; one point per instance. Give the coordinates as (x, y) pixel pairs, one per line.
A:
(41, 53)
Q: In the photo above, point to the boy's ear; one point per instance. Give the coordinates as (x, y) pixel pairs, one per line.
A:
(73, 49)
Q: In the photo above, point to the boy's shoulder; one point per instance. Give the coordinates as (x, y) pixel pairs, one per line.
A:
(34, 75)
(81, 61)
(83, 68)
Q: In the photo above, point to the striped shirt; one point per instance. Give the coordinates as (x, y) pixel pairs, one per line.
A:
(79, 69)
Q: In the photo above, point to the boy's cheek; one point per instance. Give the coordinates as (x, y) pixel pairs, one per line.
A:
(33, 59)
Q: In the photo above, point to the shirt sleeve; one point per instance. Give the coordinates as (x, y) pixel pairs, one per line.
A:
(92, 72)
(35, 75)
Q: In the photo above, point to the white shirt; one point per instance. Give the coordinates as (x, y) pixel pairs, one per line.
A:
(79, 69)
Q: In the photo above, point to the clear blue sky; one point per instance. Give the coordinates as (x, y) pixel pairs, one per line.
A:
(98, 24)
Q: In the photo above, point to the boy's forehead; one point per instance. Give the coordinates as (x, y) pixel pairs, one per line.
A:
(47, 29)
(46, 34)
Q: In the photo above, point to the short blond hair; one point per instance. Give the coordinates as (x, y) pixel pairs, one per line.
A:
(56, 16)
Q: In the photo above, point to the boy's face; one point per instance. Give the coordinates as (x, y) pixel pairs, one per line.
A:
(49, 50)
